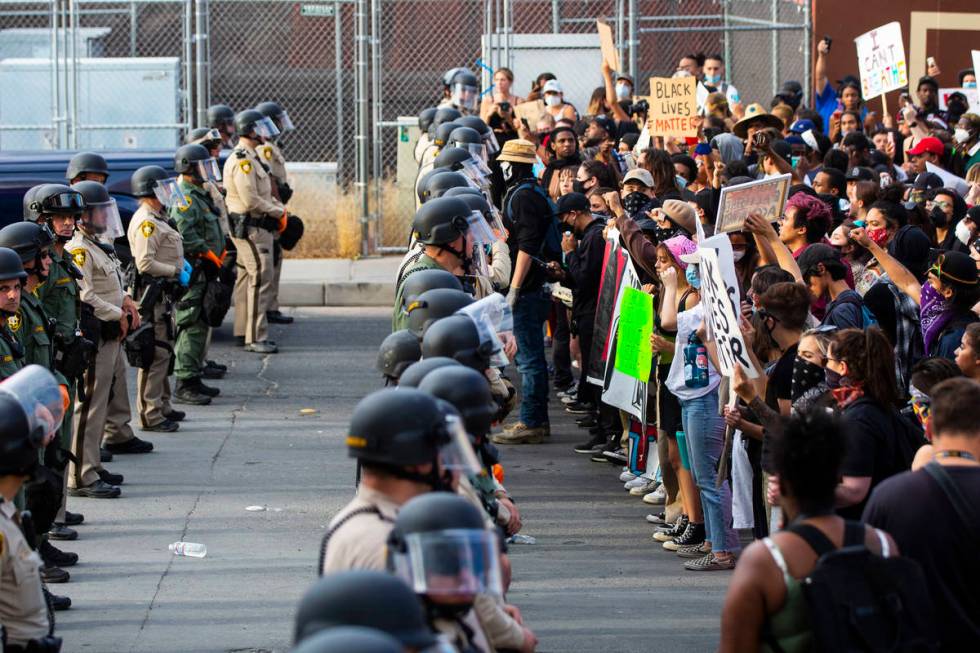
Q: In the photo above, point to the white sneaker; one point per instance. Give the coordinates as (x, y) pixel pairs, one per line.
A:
(656, 497)
(642, 490)
(569, 399)
(639, 481)
(626, 476)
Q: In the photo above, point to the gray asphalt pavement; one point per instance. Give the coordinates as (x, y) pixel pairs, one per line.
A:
(595, 581)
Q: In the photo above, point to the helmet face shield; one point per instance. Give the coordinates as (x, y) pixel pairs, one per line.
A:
(476, 171)
(38, 394)
(478, 151)
(492, 315)
(66, 202)
(208, 170)
(168, 193)
(479, 230)
(464, 96)
(450, 564)
(266, 128)
(287, 124)
(458, 454)
(103, 219)
(490, 139)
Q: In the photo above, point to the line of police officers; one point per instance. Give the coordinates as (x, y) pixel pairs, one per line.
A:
(70, 305)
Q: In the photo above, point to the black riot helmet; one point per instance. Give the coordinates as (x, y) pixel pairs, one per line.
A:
(209, 137)
(275, 112)
(364, 598)
(463, 192)
(350, 639)
(445, 114)
(399, 350)
(30, 213)
(31, 408)
(441, 221)
(475, 122)
(421, 280)
(436, 185)
(442, 131)
(477, 202)
(441, 547)
(414, 373)
(468, 391)
(251, 124)
(396, 428)
(451, 158)
(188, 156)
(457, 337)
(145, 179)
(462, 135)
(29, 240)
(11, 266)
(434, 305)
(87, 163)
(426, 116)
(220, 116)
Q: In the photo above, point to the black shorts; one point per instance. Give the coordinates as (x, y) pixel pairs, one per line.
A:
(668, 407)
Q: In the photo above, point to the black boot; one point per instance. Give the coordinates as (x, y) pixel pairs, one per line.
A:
(189, 392)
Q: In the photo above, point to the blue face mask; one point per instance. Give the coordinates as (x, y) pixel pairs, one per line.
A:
(681, 182)
(969, 84)
(712, 80)
(691, 274)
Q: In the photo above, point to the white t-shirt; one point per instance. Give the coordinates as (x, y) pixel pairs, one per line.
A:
(688, 321)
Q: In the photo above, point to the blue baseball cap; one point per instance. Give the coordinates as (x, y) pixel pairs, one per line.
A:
(800, 126)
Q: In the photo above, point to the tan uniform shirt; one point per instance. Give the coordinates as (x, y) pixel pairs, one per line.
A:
(361, 541)
(101, 284)
(158, 249)
(23, 611)
(272, 156)
(249, 185)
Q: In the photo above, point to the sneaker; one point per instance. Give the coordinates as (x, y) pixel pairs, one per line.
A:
(51, 574)
(617, 456)
(627, 475)
(97, 490)
(579, 408)
(693, 534)
(660, 519)
(710, 563)
(571, 392)
(593, 445)
(166, 426)
(643, 490)
(667, 533)
(694, 551)
(637, 481)
(569, 398)
(132, 445)
(656, 497)
(263, 347)
(586, 422)
(523, 434)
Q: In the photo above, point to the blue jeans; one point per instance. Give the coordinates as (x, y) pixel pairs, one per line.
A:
(704, 431)
(530, 312)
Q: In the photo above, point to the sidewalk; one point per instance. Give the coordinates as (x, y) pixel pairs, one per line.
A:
(339, 282)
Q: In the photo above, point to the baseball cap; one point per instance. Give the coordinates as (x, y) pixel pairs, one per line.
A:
(814, 255)
(641, 175)
(927, 181)
(929, 144)
(606, 123)
(955, 267)
(572, 202)
(860, 173)
(551, 86)
(802, 125)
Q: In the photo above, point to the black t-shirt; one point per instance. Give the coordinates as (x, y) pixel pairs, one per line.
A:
(531, 216)
(881, 302)
(914, 510)
(781, 378)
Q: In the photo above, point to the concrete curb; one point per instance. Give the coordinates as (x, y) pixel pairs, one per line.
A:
(336, 293)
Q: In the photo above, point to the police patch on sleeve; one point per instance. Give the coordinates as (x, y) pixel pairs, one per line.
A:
(267, 152)
(246, 166)
(79, 256)
(14, 322)
(187, 205)
(147, 228)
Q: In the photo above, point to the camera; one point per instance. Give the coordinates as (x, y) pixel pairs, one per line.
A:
(638, 108)
(504, 106)
(760, 140)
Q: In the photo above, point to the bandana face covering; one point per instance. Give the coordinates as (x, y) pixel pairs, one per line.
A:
(879, 236)
(634, 202)
(806, 375)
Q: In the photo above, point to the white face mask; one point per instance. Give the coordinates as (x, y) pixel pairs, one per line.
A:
(506, 169)
(552, 99)
(961, 135)
(622, 91)
(738, 255)
(962, 232)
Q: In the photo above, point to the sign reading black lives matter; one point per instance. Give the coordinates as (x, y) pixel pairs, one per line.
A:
(721, 317)
(765, 197)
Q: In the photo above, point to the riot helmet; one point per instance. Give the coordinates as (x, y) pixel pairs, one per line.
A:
(469, 139)
(441, 547)
(252, 124)
(489, 138)
(426, 116)
(419, 281)
(397, 428)
(209, 137)
(29, 212)
(87, 163)
(442, 221)
(459, 159)
(399, 350)
(468, 391)
(101, 215)
(414, 373)
(31, 241)
(433, 305)
(221, 116)
(442, 131)
(463, 88)
(31, 410)
(278, 115)
(364, 598)
(443, 115)
(196, 162)
(458, 337)
(435, 185)
(155, 182)
(350, 639)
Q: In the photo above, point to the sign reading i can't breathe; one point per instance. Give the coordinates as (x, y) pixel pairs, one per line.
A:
(881, 59)
(673, 106)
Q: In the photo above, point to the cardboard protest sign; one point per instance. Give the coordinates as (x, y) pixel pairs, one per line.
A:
(960, 185)
(766, 196)
(613, 263)
(633, 352)
(530, 111)
(673, 106)
(881, 60)
(720, 314)
(618, 389)
(608, 45)
(971, 94)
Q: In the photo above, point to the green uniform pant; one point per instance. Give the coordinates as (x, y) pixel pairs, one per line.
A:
(192, 334)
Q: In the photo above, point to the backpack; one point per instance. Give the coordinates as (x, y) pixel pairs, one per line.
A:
(859, 601)
(551, 244)
(907, 437)
(868, 318)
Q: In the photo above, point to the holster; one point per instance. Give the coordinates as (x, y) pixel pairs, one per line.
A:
(240, 224)
(89, 325)
(73, 357)
(285, 191)
(110, 330)
(140, 345)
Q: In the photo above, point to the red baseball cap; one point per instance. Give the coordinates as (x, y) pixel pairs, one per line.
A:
(929, 144)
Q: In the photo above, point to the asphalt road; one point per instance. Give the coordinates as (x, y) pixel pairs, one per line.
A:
(595, 581)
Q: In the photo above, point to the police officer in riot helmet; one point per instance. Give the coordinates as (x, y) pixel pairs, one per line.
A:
(426, 116)
(414, 373)
(441, 181)
(460, 90)
(440, 227)
(444, 114)
(365, 598)
(477, 123)
(452, 158)
(222, 118)
(396, 435)
(399, 350)
(457, 337)
(423, 280)
(87, 166)
(434, 305)
(441, 546)
(278, 115)
(440, 137)
(350, 639)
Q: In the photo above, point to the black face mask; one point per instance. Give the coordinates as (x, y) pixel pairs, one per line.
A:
(634, 202)
(579, 187)
(660, 234)
(806, 376)
(938, 217)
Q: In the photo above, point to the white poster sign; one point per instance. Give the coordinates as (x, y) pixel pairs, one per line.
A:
(618, 389)
(721, 315)
(881, 60)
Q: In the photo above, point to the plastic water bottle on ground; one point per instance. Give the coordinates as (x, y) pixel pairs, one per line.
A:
(520, 538)
(190, 549)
